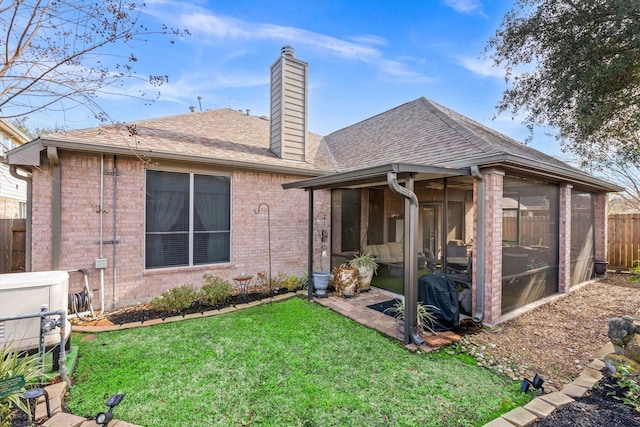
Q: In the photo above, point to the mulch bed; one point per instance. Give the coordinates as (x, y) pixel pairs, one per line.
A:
(596, 409)
(142, 312)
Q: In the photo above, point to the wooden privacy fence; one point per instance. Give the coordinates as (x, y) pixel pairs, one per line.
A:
(624, 240)
(12, 245)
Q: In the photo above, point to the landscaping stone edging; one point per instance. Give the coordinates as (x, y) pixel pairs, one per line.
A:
(544, 405)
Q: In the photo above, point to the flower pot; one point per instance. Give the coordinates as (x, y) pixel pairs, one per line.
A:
(321, 283)
(601, 267)
(366, 275)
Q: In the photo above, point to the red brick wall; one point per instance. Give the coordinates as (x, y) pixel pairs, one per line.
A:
(81, 228)
(493, 181)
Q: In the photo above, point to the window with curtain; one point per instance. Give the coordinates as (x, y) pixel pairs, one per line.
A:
(188, 219)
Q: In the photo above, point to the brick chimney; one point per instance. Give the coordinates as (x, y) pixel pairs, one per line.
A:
(289, 106)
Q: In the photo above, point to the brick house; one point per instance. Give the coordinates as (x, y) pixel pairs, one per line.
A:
(157, 203)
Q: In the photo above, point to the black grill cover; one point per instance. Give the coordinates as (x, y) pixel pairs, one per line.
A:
(440, 291)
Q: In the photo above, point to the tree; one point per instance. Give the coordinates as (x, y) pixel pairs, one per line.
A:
(59, 54)
(574, 65)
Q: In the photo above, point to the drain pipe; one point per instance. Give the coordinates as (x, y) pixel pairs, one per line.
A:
(480, 245)
(115, 193)
(28, 180)
(102, 231)
(410, 258)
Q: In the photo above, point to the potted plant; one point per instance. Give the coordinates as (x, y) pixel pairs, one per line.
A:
(346, 280)
(321, 278)
(367, 267)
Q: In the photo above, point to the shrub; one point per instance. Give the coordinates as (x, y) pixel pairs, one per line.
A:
(292, 283)
(630, 387)
(175, 299)
(215, 290)
(11, 364)
(424, 315)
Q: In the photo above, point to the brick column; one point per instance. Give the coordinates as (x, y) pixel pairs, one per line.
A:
(564, 238)
(492, 279)
(601, 230)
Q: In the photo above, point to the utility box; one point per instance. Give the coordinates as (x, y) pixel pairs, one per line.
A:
(27, 293)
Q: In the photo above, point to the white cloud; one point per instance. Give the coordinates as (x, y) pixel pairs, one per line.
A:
(464, 6)
(207, 27)
(483, 68)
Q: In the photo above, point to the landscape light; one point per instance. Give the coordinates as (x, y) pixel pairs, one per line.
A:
(537, 383)
(103, 418)
(34, 393)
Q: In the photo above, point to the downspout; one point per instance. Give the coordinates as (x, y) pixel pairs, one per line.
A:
(115, 242)
(410, 258)
(310, 278)
(102, 231)
(28, 179)
(480, 245)
(56, 207)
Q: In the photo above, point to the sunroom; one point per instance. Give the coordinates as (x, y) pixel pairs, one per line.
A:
(519, 237)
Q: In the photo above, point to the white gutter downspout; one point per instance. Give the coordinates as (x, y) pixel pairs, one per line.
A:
(101, 255)
(28, 179)
(410, 258)
(480, 245)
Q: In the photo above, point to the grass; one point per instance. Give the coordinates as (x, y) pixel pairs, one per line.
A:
(293, 363)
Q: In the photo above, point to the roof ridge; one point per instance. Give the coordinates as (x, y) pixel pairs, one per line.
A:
(456, 125)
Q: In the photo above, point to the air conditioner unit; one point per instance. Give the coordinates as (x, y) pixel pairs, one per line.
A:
(28, 293)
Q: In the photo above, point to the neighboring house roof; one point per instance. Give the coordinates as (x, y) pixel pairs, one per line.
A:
(222, 137)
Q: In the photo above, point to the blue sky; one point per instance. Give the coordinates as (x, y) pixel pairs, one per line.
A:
(365, 57)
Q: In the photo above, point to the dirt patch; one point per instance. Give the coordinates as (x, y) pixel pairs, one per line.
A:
(559, 339)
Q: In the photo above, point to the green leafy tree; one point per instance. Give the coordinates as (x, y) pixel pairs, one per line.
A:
(574, 65)
(62, 54)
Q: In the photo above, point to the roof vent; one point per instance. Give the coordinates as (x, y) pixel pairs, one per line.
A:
(288, 51)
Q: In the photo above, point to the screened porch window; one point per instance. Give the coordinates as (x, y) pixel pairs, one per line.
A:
(187, 219)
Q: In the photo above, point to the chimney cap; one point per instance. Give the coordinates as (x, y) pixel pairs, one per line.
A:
(288, 50)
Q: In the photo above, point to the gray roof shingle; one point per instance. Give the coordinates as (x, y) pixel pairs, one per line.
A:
(424, 132)
(213, 135)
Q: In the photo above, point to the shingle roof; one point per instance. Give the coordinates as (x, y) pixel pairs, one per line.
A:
(213, 135)
(424, 132)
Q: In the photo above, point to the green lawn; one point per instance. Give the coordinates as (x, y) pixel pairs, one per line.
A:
(292, 363)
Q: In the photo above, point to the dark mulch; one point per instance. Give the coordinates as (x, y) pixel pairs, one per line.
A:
(598, 408)
(143, 313)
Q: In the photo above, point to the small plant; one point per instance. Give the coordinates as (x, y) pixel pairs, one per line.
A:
(292, 283)
(364, 260)
(635, 270)
(425, 317)
(12, 363)
(629, 385)
(175, 299)
(215, 290)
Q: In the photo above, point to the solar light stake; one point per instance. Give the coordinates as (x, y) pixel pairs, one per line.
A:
(103, 418)
(536, 383)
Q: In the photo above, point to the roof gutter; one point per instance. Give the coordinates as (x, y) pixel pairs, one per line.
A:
(126, 151)
(480, 245)
(410, 258)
